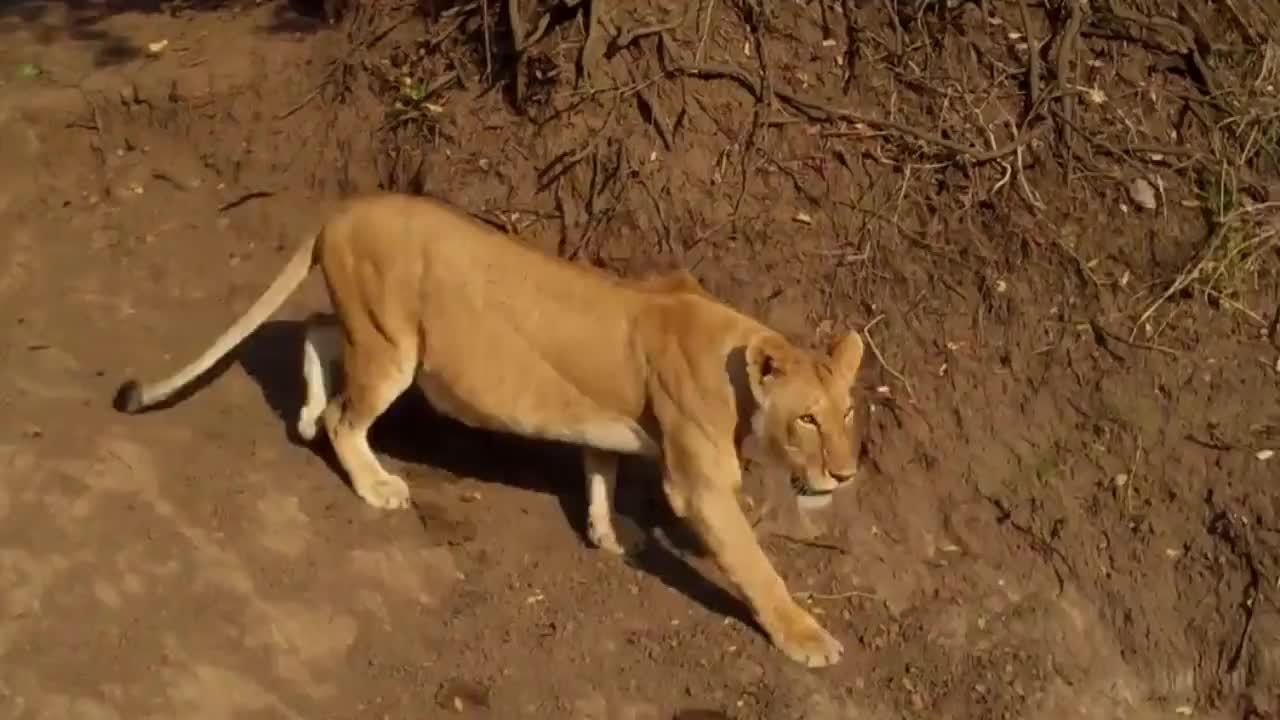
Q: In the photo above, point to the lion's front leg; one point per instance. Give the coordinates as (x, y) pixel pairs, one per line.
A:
(717, 518)
(700, 490)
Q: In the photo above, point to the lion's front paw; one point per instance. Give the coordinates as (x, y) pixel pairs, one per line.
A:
(802, 639)
(387, 492)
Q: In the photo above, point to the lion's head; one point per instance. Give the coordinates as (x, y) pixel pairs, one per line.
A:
(805, 414)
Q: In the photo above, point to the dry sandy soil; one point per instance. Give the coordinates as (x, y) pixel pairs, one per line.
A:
(1069, 510)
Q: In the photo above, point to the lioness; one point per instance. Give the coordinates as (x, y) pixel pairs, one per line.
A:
(506, 338)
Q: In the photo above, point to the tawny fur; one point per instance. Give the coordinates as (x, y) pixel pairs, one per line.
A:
(505, 338)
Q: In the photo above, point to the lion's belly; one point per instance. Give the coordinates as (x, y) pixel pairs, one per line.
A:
(538, 406)
(508, 349)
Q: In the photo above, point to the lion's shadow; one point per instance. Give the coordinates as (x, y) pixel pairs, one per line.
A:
(412, 432)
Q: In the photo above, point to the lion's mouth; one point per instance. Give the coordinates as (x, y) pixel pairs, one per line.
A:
(803, 489)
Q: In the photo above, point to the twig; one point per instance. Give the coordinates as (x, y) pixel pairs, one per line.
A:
(452, 26)
(871, 343)
(764, 100)
(379, 35)
(1201, 46)
(596, 217)
(516, 23)
(1190, 40)
(1250, 35)
(851, 38)
(817, 110)
(667, 236)
(810, 543)
(890, 9)
(488, 43)
(1100, 330)
(1185, 278)
(1033, 59)
(706, 28)
(630, 35)
(1066, 48)
(1194, 156)
(1238, 307)
(237, 202)
(1032, 196)
(328, 75)
(596, 43)
(807, 595)
(562, 206)
(520, 41)
(565, 161)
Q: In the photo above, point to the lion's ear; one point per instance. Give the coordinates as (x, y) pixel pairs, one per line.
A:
(846, 356)
(768, 358)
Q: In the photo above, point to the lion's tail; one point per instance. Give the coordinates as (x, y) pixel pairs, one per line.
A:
(133, 396)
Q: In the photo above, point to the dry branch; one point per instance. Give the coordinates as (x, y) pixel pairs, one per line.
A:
(596, 43)
(1033, 60)
(521, 41)
(851, 37)
(817, 110)
(1065, 50)
(630, 35)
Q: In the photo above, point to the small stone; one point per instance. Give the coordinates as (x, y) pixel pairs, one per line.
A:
(1142, 193)
(458, 694)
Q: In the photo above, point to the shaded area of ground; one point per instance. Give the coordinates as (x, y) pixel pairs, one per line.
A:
(1067, 268)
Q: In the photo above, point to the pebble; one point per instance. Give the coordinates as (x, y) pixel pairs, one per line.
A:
(1142, 194)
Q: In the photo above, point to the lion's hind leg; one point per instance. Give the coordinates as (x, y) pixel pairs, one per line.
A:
(375, 374)
(601, 470)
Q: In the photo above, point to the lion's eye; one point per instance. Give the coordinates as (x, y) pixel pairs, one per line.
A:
(809, 420)
(848, 414)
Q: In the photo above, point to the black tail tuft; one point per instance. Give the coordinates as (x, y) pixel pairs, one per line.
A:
(128, 398)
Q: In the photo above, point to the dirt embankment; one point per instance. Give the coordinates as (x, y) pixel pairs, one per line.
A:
(1065, 259)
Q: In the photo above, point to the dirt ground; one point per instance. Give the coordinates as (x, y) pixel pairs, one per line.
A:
(1071, 507)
